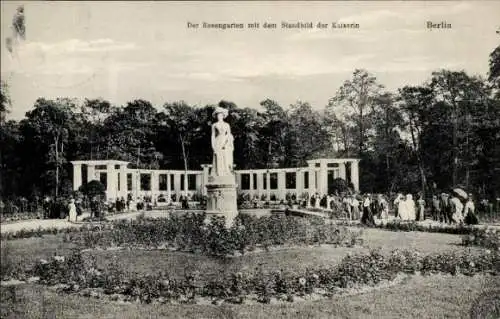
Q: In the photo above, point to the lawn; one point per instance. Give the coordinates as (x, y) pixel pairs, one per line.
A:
(419, 297)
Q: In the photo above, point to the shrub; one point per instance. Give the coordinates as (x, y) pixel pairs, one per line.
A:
(191, 233)
(76, 274)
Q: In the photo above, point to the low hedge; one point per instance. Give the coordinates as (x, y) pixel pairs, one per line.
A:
(191, 232)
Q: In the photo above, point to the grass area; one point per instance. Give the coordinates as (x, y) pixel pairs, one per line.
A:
(27, 251)
(420, 297)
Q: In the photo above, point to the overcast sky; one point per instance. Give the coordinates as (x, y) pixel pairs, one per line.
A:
(122, 51)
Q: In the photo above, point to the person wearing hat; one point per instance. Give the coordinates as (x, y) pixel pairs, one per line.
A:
(445, 208)
(222, 144)
(367, 218)
(470, 217)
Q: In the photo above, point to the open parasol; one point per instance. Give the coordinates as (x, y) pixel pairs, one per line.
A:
(460, 192)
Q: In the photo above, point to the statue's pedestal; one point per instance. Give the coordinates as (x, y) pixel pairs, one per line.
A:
(221, 198)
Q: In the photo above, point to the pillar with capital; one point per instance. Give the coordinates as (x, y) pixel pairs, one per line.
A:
(206, 171)
(77, 176)
(91, 173)
(123, 181)
(355, 174)
(312, 179)
(323, 178)
(342, 171)
(110, 182)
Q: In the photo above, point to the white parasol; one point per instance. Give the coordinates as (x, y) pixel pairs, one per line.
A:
(460, 192)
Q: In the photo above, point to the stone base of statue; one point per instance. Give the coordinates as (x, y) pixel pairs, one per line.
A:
(221, 198)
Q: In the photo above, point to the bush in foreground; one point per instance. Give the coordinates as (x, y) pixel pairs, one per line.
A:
(75, 274)
(192, 233)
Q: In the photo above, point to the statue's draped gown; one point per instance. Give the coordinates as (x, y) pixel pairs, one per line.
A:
(222, 144)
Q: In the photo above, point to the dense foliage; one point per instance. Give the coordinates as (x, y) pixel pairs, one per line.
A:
(394, 134)
(191, 232)
(76, 274)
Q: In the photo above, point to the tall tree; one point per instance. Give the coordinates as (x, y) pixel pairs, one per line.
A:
(46, 131)
(356, 96)
(415, 103)
(457, 90)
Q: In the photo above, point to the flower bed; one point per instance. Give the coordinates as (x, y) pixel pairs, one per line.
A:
(487, 238)
(77, 275)
(190, 232)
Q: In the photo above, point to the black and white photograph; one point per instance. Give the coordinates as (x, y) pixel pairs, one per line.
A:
(250, 159)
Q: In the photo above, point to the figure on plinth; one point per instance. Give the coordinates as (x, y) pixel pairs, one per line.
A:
(221, 186)
(222, 145)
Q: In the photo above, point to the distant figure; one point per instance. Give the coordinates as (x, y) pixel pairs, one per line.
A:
(457, 209)
(383, 207)
(367, 218)
(470, 217)
(95, 209)
(402, 211)
(72, 211)
(410, 206)
(446, 211)
(436, 208)
(355, 208)
(222, 144)
(397, 201)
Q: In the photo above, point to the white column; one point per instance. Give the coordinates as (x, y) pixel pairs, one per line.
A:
(206, 170)
(169, 191)
(91, 173)
(355, 175)
(134, 183)
(111, 182)
(177, 185)
(199, 183)
(298, 183)
(342, 172)
(282, 185)
(154, 184)
(250, 191)
(260, 183)
(323, 178)
(77, 176)
(268, 181)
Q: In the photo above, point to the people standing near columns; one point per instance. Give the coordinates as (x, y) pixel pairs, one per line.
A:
(383, 207)
(457, 209)
(410, 208)
(469, 212)
(421, 208)
(355, 207)
(436, 208)
(445, 208)
(402, 208)
(397, 205)
(367, 218)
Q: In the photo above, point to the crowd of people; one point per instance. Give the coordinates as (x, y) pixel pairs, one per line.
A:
(452, 208)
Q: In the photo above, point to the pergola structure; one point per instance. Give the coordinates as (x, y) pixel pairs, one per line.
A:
(121, 181)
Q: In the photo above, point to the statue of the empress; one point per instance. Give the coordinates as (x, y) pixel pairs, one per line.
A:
(222, 145)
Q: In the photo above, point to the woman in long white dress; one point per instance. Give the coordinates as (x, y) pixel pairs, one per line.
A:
(72, 211)
(402, 211)
(410, 207)
(222, 144)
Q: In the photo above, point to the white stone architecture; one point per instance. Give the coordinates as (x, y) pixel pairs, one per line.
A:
(273, 183)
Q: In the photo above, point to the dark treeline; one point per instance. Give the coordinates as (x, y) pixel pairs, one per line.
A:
(443, 133)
